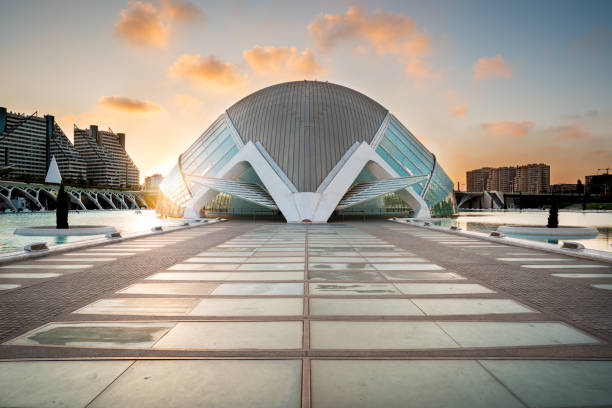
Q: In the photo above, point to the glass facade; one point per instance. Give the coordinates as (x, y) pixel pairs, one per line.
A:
(439, 195)
(397, 147)
(224, 204)
(404, 153)
(385, 205)
(205, 157)
(408, 157)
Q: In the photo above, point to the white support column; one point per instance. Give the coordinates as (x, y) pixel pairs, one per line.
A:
(301, 206)
(363, 157)
(281, 194)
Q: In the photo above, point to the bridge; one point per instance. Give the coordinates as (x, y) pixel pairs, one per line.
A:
(16, 196)
(501, 200)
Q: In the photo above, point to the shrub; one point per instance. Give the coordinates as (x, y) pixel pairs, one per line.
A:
(553, 215)
(63, 206)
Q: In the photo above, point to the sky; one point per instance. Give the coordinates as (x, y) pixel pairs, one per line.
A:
(480, 83)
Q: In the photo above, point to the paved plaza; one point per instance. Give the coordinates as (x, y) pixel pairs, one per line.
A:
(363, 314)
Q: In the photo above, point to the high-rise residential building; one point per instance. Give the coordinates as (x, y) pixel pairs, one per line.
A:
(505, 179)
(529, 178)
(478, 180)
(564, 188)
(153, 182)
(27, 143)
(532, 178)
(598, 184)
(107, 162)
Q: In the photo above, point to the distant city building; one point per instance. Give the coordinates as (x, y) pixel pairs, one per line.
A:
(529, 178)
(532, 178)
(104, 154)
(598, 184)
(27, 143)
(564, 188)
(478, 180)
(153, 182)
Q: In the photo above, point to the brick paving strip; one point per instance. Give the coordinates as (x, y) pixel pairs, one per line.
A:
(29, 307)
(576, 303)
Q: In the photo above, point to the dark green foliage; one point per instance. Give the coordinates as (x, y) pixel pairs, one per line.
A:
(579, 187)
(553, 215)
(63, 205)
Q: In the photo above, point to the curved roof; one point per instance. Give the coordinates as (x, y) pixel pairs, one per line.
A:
(307, 126)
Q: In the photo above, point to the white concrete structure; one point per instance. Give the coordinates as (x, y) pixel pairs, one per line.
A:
(53, 174)
(38, 195)
(307, 149)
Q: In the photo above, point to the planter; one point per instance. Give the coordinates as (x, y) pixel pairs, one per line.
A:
(544, 232)
(50, 231)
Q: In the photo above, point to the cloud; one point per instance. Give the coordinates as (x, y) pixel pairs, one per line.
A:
(183, 11)
(450, 96)
(276, 60)
(570, 132)
(598, 38)
(459, 111)
(387, 33)
(141, 24)
(494, 67)
(420, 69)
(509, 128)
(591, 114)
(187, 101)
(121, 103)
(206, 70)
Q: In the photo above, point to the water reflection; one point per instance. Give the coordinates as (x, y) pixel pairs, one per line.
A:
(486, 221)
(126, 221)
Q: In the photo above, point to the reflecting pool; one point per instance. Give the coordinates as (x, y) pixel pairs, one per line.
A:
(126, 221)
(487, 221)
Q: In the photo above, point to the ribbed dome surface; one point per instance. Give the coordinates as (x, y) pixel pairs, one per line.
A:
(306, 126)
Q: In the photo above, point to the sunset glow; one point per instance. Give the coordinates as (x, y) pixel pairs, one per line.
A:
(479, 88)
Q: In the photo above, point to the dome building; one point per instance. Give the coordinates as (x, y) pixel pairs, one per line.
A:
(307, 150)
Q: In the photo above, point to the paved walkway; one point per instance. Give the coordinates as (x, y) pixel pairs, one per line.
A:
(337, 315)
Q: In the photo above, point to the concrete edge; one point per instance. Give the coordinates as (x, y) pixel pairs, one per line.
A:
(541, 231)
(588, 254)
(12, 257)
(70, 232)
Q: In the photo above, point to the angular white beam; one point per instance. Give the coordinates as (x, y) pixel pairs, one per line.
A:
(301, 206)
(248, 155)
(368, 190)
(247, 191)
(362, 157)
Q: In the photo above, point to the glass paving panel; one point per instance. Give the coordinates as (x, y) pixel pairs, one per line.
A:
(426, 384)
(115, 334)
(212, 383)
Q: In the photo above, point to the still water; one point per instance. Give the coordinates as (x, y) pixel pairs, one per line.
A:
(487, 221)
(126, 221)
(130, 221)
